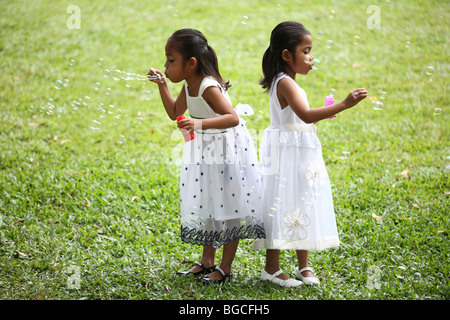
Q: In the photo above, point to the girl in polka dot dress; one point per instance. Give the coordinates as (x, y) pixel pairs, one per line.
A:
(220, 185)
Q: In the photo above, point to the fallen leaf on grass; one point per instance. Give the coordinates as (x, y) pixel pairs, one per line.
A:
(404, 174)
(415, 205)
(378, 218)
(134, 198)
(168, 288)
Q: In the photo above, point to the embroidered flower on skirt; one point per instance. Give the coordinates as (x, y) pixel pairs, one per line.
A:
(312, 175)
(296, 223)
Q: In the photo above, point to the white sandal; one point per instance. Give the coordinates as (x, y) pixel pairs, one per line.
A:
(306, 280)
(282, 283)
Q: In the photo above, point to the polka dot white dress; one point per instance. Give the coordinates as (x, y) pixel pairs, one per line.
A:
(220, 183)
(298, 205)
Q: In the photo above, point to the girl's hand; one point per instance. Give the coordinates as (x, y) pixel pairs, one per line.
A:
(355, 97)
(190, 124)
(156, 76)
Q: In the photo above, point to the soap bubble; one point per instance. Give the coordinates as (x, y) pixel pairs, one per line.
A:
(329, 44)
(66, 82)
(95, 125)
(147, 95)
(316, 62)
(122, 139)
(107, 73)
(377, 105)
(356, 40)
(437, 111)
(332, 13)
(97, 86)
(71, 62)
(59, 84)
(383, 95)
(116, 74)
(332, 92)
(407, 44)
(108, 91)
(100, 61)
(344, 155)
(244, 20)
(429, 70)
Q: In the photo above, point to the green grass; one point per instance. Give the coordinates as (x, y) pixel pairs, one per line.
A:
(105, 201)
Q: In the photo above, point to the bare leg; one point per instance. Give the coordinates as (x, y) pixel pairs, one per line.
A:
(273, 263)
(302, 256)
(208, 256)
(229, 252)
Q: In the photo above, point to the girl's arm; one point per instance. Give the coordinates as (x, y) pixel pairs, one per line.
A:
(288, 95)
(174, 107)
(228, 117)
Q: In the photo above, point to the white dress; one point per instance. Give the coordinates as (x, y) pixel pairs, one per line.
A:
(298, 205)
(220, 183)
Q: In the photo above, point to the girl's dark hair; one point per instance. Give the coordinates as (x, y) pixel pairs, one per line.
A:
(192, 43)
(286, 35)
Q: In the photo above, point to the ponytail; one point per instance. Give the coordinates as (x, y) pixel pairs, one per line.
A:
(192, 43)
(286, 35)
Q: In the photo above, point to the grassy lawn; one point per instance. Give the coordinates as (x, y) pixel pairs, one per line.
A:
(89, 170)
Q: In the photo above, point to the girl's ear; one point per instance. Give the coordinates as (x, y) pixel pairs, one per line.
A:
(285, 55)
(192, 63)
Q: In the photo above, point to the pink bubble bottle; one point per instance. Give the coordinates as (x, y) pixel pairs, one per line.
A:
(188, 136)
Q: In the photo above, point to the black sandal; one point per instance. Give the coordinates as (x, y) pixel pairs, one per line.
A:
(225, 277)
(204, 270)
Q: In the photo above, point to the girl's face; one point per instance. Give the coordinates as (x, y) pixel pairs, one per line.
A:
(175, 65)
(303, 61)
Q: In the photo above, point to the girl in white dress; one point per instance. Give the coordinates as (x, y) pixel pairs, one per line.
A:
(220, 183)
(298, 204)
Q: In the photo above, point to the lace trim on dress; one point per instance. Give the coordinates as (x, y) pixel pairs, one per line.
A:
(216, 238)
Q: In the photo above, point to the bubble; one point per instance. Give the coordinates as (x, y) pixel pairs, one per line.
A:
(429, 70)
(377, 105)
(147, 95)
(111, 108)
(401, 270)
(86, 100)
(66, 82)
(122, 139)
(108, 91)
(356, 40)
(95, 125)
(100, 61)
(332, 92)
(216, 244)
(437, 111)
(97, 86)
(329, 44)
(116, 75)
(71, 62)
(344, 155)
(332, 13)
(383, 95)
(106, 73)
(407, 44)
(316, 62)
(59, 84)
(244, 20)
(31, 108)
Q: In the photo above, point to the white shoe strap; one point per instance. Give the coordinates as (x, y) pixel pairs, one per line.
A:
(306, 269)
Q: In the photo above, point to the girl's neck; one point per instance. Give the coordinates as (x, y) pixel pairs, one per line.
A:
(194, 83)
